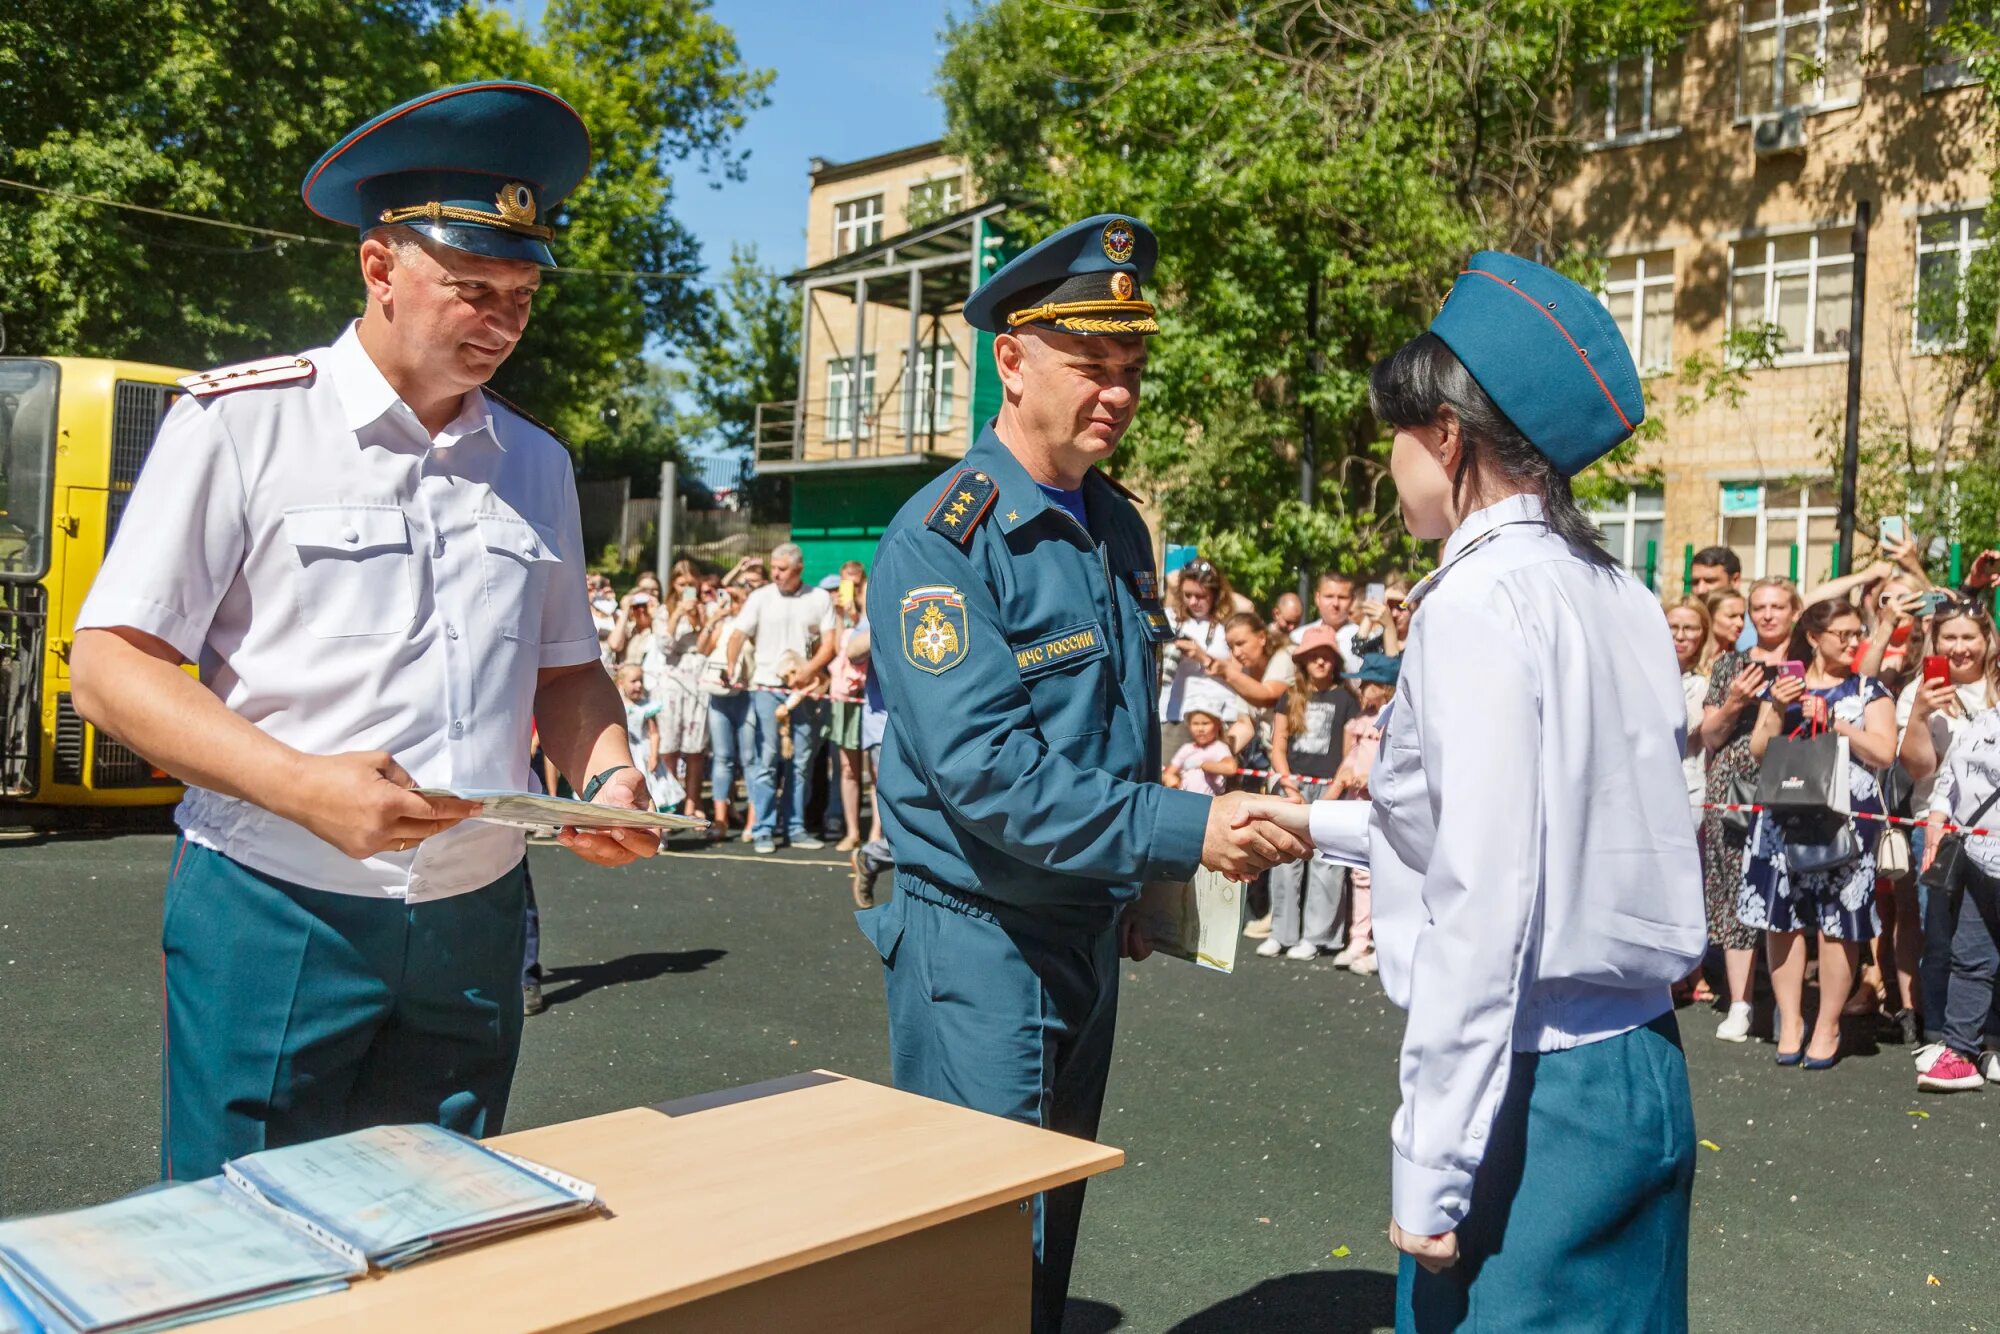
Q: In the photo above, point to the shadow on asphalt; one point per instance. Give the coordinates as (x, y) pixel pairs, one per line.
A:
(1336, 1301)
(1081, 1316)
(560, 986)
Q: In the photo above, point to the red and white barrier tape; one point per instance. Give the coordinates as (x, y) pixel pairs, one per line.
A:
(1946, 827)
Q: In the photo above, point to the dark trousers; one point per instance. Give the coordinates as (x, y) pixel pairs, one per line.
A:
(1018, 1025)
(1975, 959)
(1579, 1214)
(294, 1013)
(531, 960)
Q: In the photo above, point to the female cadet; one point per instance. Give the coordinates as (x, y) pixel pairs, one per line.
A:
(1537, 890)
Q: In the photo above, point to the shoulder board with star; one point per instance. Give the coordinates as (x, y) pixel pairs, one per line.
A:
(526, 416)
(962, 505)
(247, 375)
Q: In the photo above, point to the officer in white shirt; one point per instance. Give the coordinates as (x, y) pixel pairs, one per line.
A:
(378, 570)
(1537, 889)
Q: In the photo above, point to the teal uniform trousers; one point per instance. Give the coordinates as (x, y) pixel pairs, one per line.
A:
(293, 1013)
(1579, 1215)
(991, 1016)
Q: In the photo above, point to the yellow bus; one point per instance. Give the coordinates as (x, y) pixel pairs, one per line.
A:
(73, 434)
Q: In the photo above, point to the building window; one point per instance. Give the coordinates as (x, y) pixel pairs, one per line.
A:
(1946, 243)
(849, 413)
(1802, 283)
(1784, 530)
(1797, 53)
(1948, 68)
(1633, 531)
(936, 381)
(931, 200)
(857, 224)
(1639, 293)
(1634, 98)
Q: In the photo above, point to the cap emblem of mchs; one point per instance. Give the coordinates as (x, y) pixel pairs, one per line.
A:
(1119, 241)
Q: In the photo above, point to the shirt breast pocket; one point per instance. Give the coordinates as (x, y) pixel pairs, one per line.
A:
(520, 560)
(357, 572)
(1064, 673)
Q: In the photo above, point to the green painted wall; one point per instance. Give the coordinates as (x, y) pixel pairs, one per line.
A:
(840, 517)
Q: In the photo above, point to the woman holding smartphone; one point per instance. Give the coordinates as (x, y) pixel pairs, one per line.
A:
(1838, 901)
(1957, 684)
(1736, 685)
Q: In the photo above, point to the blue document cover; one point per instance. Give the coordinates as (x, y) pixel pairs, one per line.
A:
(163, 1258)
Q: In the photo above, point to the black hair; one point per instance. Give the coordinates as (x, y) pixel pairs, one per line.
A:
(1416, 382)
(1721, 558)
(1812, 623)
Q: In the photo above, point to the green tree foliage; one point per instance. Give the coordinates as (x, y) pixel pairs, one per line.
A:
(1362, 147)
(750, 351)
(217, 107)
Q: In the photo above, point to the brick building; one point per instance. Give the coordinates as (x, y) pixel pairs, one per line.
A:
(1722, 180)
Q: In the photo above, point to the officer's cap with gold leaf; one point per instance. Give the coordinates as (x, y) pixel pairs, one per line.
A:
(1086, 279)
(480, 167)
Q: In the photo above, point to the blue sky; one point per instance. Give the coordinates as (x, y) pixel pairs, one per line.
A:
(852, 81)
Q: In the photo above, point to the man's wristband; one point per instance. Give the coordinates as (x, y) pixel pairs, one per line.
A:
(591, 789)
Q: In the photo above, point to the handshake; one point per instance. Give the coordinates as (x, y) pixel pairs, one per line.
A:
(1249, 833)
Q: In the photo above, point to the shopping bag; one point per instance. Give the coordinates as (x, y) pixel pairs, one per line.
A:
(1804, 776)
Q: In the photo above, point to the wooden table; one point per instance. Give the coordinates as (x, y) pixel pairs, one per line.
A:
(815, 1202)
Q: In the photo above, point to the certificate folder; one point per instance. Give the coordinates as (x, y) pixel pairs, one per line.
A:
(398, 1194)
(276, 1226)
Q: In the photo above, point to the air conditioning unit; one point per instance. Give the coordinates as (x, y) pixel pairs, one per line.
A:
(1784, 132)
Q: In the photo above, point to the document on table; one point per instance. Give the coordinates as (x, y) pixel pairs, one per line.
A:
(400, 1193)
(164, 1258)
(1199, 921)
(532, 810)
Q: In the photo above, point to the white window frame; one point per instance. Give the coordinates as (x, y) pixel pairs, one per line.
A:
(1772, 269)
(1637, 508)
(1944, 75)
(848, 414)
(847, 230)
(1609, 71)
(1787, 14)
(1965, 245)
(951, 188)
(1800, 518)
(940, 364)
(1637, 285)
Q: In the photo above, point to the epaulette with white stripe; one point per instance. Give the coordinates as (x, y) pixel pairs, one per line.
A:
(247, 375)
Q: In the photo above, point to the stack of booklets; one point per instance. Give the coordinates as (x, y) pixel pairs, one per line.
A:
(275, 1227)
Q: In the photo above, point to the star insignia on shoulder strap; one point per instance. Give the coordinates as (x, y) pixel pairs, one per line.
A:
(962, 505)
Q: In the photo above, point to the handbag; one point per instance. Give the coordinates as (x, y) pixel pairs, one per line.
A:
(1952, 868)
(1739, 790)
(1892, 853)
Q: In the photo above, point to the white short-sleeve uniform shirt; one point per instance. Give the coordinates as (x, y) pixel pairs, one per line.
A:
(346, 581)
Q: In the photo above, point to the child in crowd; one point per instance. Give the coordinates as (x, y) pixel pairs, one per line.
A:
(1204, 762)
(789, 662)
(1377, 683)
(642, 730)
(1308, 737)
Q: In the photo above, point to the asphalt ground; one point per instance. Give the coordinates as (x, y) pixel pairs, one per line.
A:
(1253, 1108)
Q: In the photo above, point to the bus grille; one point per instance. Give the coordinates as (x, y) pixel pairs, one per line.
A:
(69, 743)
(136, 412)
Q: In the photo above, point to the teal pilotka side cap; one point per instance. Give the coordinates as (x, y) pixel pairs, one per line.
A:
(1547, 353)
(480, 167)
(1085, 279)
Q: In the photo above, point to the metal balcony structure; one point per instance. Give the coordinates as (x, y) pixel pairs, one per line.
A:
(913, 410)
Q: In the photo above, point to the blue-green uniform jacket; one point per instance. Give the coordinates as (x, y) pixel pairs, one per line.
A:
(1018, 657)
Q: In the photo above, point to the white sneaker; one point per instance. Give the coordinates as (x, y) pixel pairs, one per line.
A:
(1989, 1066)
(1365, 965)
(1258, 929)
(1348, 954)
(1926, 1054)
(1736, 1027)
(1270, 949)
(1305, 949)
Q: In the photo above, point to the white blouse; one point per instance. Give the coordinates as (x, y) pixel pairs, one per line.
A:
(1536, 882)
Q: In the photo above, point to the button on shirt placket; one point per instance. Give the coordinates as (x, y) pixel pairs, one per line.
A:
(454, 581)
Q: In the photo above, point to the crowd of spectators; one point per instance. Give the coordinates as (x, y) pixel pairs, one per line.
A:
(754, 678)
